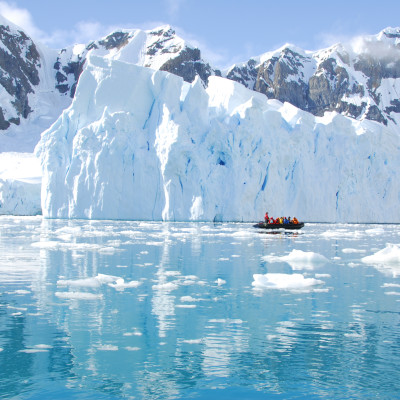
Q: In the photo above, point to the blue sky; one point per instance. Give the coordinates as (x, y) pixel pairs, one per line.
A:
(226, 31)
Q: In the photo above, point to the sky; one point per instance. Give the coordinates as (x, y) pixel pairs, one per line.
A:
(225, 31)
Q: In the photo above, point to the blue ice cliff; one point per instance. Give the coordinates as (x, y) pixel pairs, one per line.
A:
(143, 144)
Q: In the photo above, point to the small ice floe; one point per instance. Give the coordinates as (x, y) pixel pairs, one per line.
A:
(220, 282)
(322, 275)
(47, 244)
(120, 284)
(129, 348)
(193, 341)
(299, 259)
(188, 299)
(115, 282)
(167, 286)
(386, 260)
(19, 292)
(390, 254)
(349, 251)
(1, 349)
(375, 231)
(396, 285)
(284, 281)
(78, 296)
(353, 265)
(93, 282)
(134, 333)
(186, 306)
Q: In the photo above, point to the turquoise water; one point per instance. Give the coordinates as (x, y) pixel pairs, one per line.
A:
(143, 310)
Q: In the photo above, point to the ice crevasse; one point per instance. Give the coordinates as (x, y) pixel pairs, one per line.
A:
(143, 144)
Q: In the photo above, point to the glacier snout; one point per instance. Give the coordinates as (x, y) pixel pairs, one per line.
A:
(143, 144)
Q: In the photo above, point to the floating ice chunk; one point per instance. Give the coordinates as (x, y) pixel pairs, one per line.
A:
(120, 284)
(322, 275)
(168, 286)
(284, 281)
(1, 349)
(390, 254)
(299, 259)
(348, 251)
(375, 231)
(188, 299)
(20, 291)
(78, 295)
(129, 348)
(134, 333)
(186, 306)
(220, 282)
(47, 244)
(391, 285)
(94, 282)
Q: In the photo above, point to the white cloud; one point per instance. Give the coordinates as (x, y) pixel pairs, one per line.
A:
(21, 17)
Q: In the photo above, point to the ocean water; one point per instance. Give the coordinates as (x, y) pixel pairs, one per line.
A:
(146, 310)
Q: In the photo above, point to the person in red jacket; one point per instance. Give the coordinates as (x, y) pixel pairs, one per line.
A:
(266, 217)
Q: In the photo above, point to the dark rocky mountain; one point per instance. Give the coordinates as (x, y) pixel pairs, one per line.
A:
(358, 79)
(159, 49)
(19, 64)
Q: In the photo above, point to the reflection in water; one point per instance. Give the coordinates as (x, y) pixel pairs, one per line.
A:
(191, 325)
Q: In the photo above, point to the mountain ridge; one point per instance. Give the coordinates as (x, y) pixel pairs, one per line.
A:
(359, 82)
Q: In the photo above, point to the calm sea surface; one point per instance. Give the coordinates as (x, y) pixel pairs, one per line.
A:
(144, 310)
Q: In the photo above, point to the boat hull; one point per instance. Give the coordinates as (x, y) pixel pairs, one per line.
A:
(264, 225)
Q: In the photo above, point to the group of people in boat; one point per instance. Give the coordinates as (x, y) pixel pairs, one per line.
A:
(280, 220)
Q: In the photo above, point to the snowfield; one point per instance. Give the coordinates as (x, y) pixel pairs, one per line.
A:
(20, 184)
(145, 145)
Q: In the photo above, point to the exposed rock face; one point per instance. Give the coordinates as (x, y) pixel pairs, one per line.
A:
(188, 65)
(19, 64)
(354, 83)
(157, 45)
(362, 83)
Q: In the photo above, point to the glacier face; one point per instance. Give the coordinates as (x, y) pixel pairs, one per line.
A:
(143, 144)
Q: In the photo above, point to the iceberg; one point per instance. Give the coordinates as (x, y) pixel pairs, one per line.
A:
(299, 259)
(141, 144)
(20, 184)
(284, 281)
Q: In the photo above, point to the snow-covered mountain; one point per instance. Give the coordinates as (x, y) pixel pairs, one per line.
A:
(141, 127)
(360, 79)
(37, 83)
